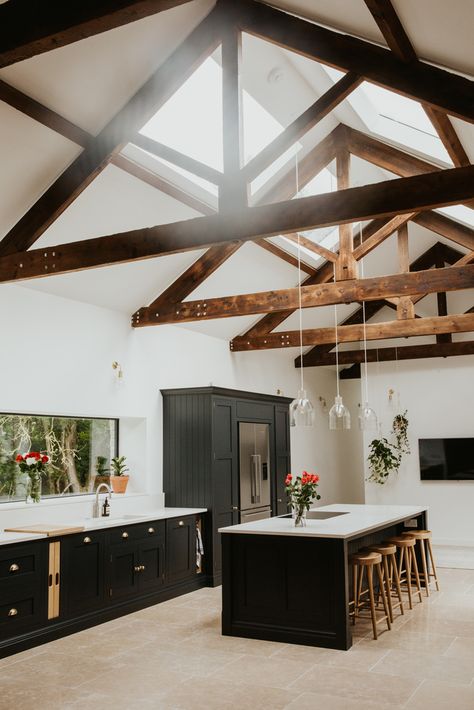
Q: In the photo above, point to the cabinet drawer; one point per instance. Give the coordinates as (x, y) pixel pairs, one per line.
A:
(20, 609)
(140, 531)
(20, 564)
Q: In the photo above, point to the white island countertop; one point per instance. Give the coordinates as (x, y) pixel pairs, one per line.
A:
(114, 520)
(357, 520)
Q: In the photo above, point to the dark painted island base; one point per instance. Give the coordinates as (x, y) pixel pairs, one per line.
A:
(293, 589)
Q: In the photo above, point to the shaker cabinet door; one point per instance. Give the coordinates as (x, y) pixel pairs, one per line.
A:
(82, 572)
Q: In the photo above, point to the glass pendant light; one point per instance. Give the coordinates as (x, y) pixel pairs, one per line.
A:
(301, 409)
(339, 415)
(367, 416)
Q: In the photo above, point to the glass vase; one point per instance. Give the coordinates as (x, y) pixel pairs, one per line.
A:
(299, 516)
(33, 488)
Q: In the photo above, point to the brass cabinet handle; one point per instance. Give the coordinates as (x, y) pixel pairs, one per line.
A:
(181, 523)
(87, 540)
(125, 535)
(235, 507)
(151, 530)
(14, 567)
(137, 568)
(13, 612)
(142, 568)
(279, 500)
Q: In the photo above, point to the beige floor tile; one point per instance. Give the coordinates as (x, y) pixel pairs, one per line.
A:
(432, 695)
(426, 665)
(438, 624)
(269, 672)
(357, 685)
(23, 656)
(407, 640)
(134, 684)
(31, 695)
(215, 694)
(361, 657)
(317, 701)
(461, 648)
(213, 640)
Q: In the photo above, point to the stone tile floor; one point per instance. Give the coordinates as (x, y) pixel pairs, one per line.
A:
(172, 657)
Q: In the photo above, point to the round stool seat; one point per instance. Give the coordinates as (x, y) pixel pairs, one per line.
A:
(419, 534)
(366, 558)
(385, 548)
(403, 541)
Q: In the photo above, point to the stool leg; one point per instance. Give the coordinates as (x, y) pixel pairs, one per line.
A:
(354, 591)
(430, 552)
(417, 576)
(359, 587)
(370, 581)
(407, 557)
(387, 586)
(397, 581)
(425, 568)
(384, 598)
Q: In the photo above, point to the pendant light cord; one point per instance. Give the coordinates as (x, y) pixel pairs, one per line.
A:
(365, 329)
(337, 343)
(299, 284)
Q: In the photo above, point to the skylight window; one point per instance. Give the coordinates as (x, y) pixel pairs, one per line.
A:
(191, 122)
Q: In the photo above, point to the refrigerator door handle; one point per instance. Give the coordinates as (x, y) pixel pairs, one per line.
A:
(256, 477)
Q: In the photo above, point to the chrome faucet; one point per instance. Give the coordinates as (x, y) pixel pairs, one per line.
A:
(97, 510)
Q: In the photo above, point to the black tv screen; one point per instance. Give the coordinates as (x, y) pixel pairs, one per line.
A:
(446, 459)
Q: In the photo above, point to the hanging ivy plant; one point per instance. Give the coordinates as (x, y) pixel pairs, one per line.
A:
(400, 432)
(383, 460)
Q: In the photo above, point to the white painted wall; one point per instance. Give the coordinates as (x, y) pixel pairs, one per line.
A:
(56, 357)
(439, 396)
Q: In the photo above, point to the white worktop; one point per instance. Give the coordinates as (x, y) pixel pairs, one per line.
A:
(359, 519)
(8, 538)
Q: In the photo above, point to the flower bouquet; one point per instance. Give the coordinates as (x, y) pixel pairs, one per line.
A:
(34, 465)
(301, 493)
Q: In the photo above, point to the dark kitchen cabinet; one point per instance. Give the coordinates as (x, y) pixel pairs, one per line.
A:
(82, 572)
(201, 455)
(180, 548)
(97, 575)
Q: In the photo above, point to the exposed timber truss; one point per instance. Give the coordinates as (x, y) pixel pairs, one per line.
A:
(388, 206)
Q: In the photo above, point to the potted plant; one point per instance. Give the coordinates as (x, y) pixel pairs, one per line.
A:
(119, 477)
(383, 460)
(102, 472)
(301, 493)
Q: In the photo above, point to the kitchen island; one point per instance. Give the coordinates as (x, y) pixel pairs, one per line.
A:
(282, 583)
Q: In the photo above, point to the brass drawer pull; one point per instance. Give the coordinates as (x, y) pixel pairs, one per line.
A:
(181, 523)
(151, 530)
(13, 612)
(137, 568)
(142, 568)
(87, 540)
(125, 535)
(14, 567)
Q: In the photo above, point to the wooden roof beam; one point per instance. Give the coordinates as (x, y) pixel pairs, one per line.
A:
(30, 28)
(405, 352)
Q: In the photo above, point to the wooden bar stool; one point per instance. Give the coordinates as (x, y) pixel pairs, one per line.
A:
(390, 575)
(368, 561)
(407, 563)
(424, 538)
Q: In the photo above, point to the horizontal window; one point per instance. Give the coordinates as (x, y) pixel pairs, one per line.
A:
(79, 451)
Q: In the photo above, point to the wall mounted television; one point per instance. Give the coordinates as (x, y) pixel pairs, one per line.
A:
(446, 459)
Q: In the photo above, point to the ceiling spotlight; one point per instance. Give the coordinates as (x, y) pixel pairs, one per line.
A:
(275, 75)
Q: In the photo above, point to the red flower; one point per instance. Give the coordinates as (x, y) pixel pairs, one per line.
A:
(19, 458)
(288, 479)
(44, 459)
(315, 479)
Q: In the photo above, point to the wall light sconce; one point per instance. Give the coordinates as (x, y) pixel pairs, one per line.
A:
(117, 368)
(323, 403)
(391, 392)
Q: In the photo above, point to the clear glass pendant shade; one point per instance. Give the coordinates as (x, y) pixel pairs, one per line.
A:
(301, 410)
(367, 418)
(339, 415)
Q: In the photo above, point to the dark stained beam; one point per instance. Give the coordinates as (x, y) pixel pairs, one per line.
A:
(35, 110)
(452, 278)
(28, 28)
(120, 161)
(233, 189)
(286, 256)
(423, 82)
(148, 99)
(397, 39)
(444, 226)
(413, 327)
(406, 352)
(358, 203)
(180, 159)
(301, 125)
(195, 275)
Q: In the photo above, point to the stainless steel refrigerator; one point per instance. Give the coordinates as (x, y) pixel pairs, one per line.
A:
(254, 463)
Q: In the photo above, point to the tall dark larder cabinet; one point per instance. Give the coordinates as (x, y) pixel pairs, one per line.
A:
(201, 465)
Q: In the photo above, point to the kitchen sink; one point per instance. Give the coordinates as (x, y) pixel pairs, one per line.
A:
(319, 514)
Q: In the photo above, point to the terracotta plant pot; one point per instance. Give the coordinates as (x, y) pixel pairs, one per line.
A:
(119, 483)
(101, 479)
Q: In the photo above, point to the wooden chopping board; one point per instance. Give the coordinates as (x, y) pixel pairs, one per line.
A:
(47, 529)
